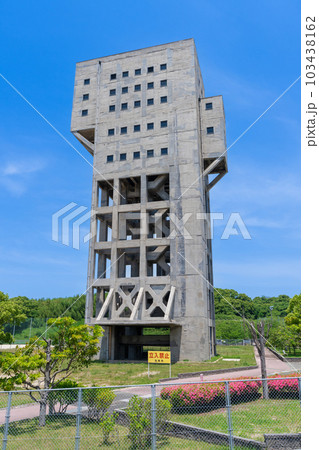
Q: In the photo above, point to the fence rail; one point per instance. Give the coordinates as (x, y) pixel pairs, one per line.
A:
(230, 414)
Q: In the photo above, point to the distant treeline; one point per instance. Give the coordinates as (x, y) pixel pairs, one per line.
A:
(47, 308)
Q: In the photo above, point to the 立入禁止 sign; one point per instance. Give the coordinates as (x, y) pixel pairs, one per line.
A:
(159, 357)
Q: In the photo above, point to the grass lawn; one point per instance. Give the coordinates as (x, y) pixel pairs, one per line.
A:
(102, 374)
(296, 354)
(250, 420)
(59, 433)
(17, 399)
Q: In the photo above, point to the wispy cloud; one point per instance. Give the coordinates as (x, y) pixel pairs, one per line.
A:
(15, 176)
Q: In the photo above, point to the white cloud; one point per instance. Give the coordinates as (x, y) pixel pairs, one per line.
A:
(15, 176)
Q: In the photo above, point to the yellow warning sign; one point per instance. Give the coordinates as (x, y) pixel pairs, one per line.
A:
(159, 357)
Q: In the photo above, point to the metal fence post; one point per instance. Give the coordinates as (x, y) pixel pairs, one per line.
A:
(78, 421)
(228, 407)
(153, 416)
(299, 386)
(6, 426)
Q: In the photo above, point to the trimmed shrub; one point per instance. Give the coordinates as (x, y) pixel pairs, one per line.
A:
(107, 424)
(283, 388)
(60, 400)
(139, 413)
(209, 396)
(98, 401)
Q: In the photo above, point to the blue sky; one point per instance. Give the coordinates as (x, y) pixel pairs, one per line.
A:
(248, 52)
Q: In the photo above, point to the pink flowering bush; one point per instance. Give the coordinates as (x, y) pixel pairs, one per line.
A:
(210, 395)
(283, 388)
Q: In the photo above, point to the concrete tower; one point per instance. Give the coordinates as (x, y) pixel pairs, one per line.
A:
(158, 146)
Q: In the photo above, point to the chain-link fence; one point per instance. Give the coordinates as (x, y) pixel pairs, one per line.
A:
(236, 414)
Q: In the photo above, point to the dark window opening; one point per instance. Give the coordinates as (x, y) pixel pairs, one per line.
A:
(158, 261)
(210, 130)
(105, 193)
(130, 190)
(113, 76)
(150, 153)
(209, 106)
(87, 81)
(85, 112)
(85, 96)
(157, 187)
(163, 66)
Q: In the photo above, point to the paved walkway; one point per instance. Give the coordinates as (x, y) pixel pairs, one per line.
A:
(274, 365)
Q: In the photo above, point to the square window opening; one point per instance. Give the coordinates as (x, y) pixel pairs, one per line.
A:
(130, 190)
(105, 193)
(128, 262)
(158, 223)
(158, 261)
(129, 226)
(158, 187)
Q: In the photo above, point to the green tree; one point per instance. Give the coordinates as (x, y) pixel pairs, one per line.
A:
(293, 318)
(44, 363)
(10, 313)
